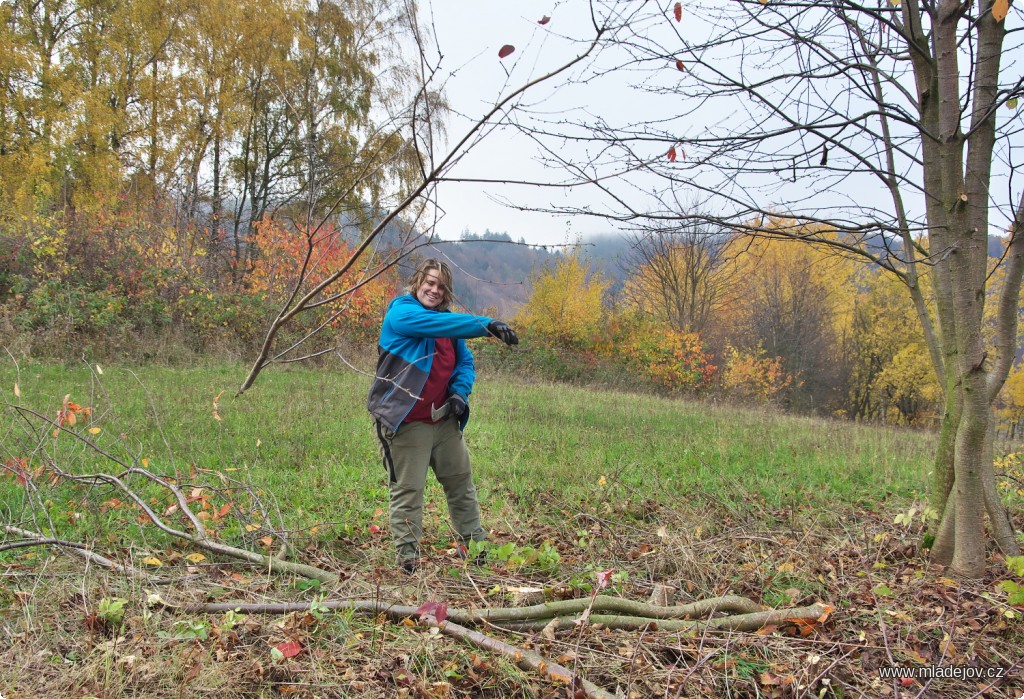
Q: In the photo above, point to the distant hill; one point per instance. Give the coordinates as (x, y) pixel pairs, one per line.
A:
(492, 272)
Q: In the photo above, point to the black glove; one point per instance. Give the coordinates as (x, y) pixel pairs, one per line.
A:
(503, 332)
(458, 405)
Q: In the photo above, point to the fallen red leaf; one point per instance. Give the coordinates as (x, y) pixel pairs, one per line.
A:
(438, 610)
(290, 649)
(804, 627)
(506, 50)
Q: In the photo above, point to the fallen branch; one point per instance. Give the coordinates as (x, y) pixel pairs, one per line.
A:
(200, 539)
(26, 543)
(526, 618)
(527, 660)
(741, 622)
(606, 603)
(79, 549)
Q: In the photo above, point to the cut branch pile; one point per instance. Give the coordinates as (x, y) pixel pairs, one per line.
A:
(454, 622)
(728, 612)
(565, 613)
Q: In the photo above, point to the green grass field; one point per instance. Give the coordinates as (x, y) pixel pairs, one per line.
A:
(707, 498)
(305, 436)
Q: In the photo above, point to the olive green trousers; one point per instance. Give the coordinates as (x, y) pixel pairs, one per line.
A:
(407, 454)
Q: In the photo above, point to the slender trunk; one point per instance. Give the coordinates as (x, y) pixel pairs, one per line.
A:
(1002, 528)
(154, 126)
(945, 532)
(942, 478)
(215, 205)
(969, 549)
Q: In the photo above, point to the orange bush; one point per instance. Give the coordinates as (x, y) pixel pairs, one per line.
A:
(670, 358)
(754, 375)
(286, 255)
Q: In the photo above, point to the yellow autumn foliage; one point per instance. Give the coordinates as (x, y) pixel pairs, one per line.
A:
(566, 306)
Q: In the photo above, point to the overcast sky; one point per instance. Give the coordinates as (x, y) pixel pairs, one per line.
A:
(470, 34)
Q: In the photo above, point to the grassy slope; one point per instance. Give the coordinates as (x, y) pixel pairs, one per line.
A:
(305, 435)
(707, 498)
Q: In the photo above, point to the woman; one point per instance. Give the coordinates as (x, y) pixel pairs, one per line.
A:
(420, 401)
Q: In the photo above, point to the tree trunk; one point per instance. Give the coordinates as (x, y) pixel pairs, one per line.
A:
(945, 534)
(1002, 527)
(942, 475)
(969, 547)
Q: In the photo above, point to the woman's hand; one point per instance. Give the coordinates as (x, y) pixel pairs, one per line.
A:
(458, 405)
(503, 332)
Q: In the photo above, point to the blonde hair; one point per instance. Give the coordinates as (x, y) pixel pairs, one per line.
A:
(443, 271)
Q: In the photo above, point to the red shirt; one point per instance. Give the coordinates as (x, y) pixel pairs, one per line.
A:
(435, 391)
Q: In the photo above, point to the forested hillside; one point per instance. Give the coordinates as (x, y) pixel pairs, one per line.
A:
(493, 272)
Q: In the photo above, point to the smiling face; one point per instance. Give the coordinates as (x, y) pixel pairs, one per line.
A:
(432, 291)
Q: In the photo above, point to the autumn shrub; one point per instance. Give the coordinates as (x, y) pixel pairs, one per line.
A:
(287, 257)
(537, 359)
(631, 353)
(658, 353)
(118, 278)
(910, 393)
(11, 262)
(207, 316)
(74, 281)
(53, 303)
(1010, 477)
(751, 375)
(1009, 405)
(532, 358)
(565, 308)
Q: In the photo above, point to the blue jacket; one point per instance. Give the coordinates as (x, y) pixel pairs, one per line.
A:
(405, 353)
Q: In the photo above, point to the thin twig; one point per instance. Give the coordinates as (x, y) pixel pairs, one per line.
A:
(83, 551)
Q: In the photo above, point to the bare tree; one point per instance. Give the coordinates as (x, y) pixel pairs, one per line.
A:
(888, 126)
(676, 274)
(787, 309)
